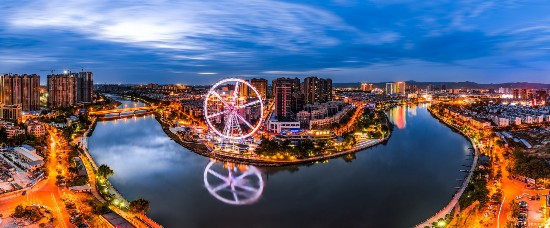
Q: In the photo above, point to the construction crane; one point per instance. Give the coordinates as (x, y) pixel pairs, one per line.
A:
(50, 70)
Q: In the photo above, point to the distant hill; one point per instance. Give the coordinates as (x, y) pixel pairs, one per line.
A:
(454, 85)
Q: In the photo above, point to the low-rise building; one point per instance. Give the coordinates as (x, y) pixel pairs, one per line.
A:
(528, 120)
(58, 125)
(303, 117)
(479, 123)
(11, 112)
(35, 128)
(276, 126)
(71, 120)
(501, 121)
(80, 167)
(517, 121)
(28, 155)
(14, 131)
(320, 116)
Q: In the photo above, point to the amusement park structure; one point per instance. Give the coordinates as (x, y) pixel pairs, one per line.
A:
(233, 110)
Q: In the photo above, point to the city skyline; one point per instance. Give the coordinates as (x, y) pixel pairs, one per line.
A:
(201, 42)
(275, 113)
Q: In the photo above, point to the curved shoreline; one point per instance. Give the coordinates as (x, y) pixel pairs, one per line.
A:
(83, 144)
(202, 150)
(452, 203)
(262, 162)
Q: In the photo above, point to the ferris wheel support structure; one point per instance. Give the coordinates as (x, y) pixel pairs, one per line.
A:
(233, 120)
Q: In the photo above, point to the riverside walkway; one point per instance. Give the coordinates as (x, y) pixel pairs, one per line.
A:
(256, 160)
(138, 220)
(447, 209)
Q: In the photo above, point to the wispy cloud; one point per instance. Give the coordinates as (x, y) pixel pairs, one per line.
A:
(178, 40)
(185, 25)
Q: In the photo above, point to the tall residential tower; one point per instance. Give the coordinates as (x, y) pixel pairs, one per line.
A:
(282, 92)
(261, 85)
(62, 90)
(317, 90)
(85, 85)
(21, 89)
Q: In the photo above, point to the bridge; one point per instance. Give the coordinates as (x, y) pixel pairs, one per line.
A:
(119, 111)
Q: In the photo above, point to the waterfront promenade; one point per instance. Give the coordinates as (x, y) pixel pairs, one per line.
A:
(258, 161)
(452, 204)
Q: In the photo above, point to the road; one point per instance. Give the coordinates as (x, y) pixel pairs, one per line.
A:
(350, 126)
(46, 192)
(512, 188)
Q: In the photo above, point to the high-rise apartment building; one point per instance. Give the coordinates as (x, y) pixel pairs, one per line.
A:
(85, 87)
(62, 90)
(396, 88)
(541, 95)
(317, 90)
(516, 93)
(325, 90)
(310, 88)
(529, 94)
(244, 90)
(367, 87)
(282, 92)
(261, 85)
(523, 94)
(400, 87)
(390, 88)
(298, 100)
(20, 89)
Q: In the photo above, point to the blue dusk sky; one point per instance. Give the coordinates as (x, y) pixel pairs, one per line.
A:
(201, 41)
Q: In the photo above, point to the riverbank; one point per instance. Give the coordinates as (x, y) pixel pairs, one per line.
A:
(201, 149)
(140, 150)
(452, 204)
(91, 167)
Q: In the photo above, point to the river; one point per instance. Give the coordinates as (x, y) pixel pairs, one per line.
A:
(399, 184)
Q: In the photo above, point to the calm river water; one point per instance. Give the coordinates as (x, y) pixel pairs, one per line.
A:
(394, 185)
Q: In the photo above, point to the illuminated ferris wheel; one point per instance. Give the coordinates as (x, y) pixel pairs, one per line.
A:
(233, 109)
(233, 185)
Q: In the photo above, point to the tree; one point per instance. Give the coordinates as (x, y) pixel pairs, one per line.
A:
(105, 171)
(30, 212)
(99, 208)
(497, 197)
(139, 206)
(268, 147)
(19, 211)
(285, 145)
(514, 207)
(349, 140)
(305, 146)
(3, 134)
(530, 166)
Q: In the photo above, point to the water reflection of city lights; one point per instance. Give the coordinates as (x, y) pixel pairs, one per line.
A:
(398, 116)
(411, 110)
(232, 184)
